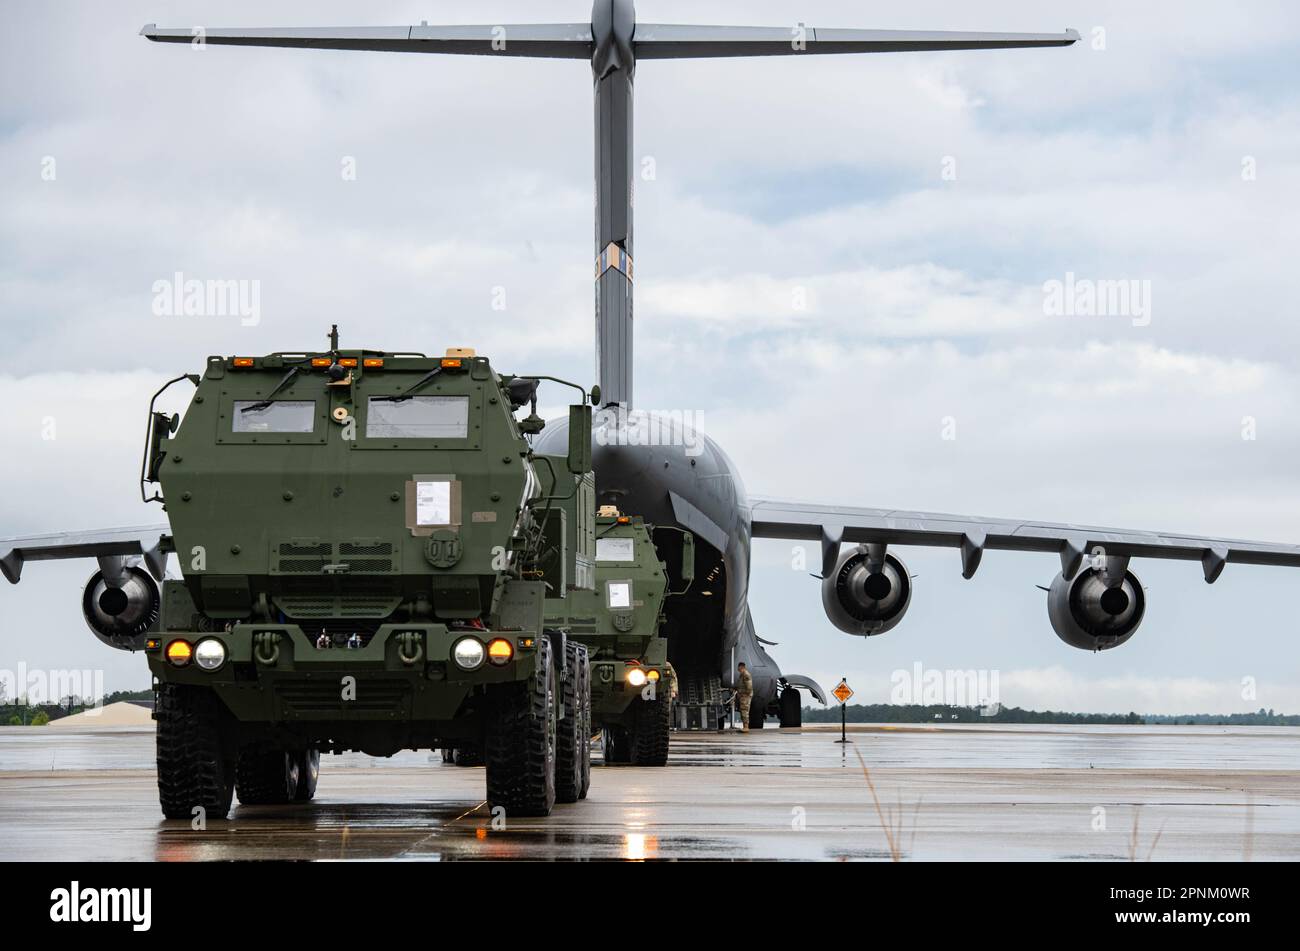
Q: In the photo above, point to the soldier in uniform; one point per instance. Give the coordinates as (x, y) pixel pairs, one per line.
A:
(744, 694)
(672, 691)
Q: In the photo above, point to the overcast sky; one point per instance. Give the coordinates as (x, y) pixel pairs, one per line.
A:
(840, 261)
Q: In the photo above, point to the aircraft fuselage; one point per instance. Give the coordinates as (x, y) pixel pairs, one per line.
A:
(652, 465)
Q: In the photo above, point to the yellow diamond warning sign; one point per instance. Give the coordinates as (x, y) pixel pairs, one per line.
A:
(843, 692)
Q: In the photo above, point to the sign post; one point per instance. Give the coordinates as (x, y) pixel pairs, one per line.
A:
(842, 693)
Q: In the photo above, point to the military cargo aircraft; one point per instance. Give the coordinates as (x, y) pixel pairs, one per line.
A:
(1095, 602)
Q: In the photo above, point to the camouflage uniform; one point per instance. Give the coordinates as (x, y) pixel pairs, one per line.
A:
(744, 694)
(672, 682)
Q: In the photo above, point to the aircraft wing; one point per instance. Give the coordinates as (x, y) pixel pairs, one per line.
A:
(833, 524)
(148, 542)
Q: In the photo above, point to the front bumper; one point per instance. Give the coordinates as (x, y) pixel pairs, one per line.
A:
(275, 673)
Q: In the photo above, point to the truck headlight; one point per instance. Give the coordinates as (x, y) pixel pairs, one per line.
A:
(468, 653)
(210, 653)
(179, 653)
(636, 677)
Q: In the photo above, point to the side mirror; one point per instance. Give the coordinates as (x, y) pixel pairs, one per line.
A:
(580, 439)
(160, 425)
(688, 556)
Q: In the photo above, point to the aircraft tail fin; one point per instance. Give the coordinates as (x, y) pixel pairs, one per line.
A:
(671, 41)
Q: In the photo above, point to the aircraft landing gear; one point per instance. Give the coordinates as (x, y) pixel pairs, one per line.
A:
(791, 709)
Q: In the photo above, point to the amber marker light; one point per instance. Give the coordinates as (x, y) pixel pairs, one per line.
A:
(243, 361)
(652, 676)
(372, 363)
(179, 653)
(349, 362)
(450, 364)
(321, 361)
(500, 651)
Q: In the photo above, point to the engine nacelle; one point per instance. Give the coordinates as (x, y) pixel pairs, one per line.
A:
(1089, 614)
(868, 592)
(121, 616)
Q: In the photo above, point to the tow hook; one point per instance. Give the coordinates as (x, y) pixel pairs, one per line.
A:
(410, 647)
(266, 647)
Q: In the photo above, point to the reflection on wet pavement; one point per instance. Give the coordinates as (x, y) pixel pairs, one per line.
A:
(946, 792)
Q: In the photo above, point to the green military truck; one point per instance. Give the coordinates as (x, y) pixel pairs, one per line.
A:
(613, 601)
(360, 534)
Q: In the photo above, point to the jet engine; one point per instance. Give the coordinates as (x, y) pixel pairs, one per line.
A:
(868, 592)
(1096, 611)
(121, 614)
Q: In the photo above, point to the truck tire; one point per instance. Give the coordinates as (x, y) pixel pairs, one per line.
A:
(194, 763)
(266, 776)
(308, 774)
(615, 745)
(585, 673)
(791, 709)
(520, 747)
(573, 730)
(650, 731)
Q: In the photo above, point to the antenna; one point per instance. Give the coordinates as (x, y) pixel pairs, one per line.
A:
(612, 41)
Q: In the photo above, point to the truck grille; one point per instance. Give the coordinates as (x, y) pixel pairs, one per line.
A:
(323, 699)
(310, 557)
(306, 607)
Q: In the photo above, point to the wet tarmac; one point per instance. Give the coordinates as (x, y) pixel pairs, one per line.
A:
(950, 792)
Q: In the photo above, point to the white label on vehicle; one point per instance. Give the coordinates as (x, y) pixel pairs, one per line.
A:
(620, 594)
(433, 503)
(616, 549)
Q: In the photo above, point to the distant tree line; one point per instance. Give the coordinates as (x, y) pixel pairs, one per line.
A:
(21, 713)
(917, 713)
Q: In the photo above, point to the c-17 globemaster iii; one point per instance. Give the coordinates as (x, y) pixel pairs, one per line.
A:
(1095, 603)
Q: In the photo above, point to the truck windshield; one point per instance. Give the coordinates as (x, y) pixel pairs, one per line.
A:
(276, 416)
(418, 417)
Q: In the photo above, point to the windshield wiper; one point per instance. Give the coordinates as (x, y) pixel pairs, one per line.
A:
(406, 394)
(266, 403)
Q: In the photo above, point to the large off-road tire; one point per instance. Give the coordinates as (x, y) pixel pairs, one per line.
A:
(520, 747)
(791, 709)
(573, 734)
(308, 774)
(266, 776)
(616, 744)
(587, 728)
(195, 768)
(650, 730)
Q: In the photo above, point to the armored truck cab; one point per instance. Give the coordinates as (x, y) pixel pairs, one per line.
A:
(359, 536)
(614, 606)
